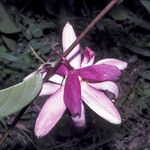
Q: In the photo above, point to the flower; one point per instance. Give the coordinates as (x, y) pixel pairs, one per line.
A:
(76, 81)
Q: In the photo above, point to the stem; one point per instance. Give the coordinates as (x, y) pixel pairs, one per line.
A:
(86, 30)
(13, 123)
(42, 61)
(51, 71)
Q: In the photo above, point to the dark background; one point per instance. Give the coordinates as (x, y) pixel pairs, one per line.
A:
(123, 34)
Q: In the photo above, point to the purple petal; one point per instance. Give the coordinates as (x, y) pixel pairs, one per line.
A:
(114, 62)
(100, 103)
(96, 73)
(50, 113)
(62, 70)
(89, 57)
(79, 120)
(107, 86)
(68, 38)
(49, 88)
(72, 94)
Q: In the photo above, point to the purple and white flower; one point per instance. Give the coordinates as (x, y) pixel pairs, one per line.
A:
(82, 82)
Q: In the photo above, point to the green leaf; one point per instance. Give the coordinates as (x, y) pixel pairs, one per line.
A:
(52, 7)
(11, 44)
(6, 23)
(146, 4)
(122, 13)
(36, 30)
(146, 92)
(14, 98)
(25, 59)
(9, 57)
(145, 74)
(2, 49)
(137, 50)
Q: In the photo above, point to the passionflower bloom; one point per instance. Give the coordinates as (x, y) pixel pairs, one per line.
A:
(77, 82)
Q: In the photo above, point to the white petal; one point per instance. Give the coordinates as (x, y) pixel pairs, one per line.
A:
(50, 113)
(56, 79)
(114, 62)
(79, 121)
(49, 88)
(107, 86)
(100, 103)
(68, 37)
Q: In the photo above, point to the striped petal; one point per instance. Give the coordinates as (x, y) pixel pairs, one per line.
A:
(72, 94)
(50, 113)
(89, 57)
(114, 62)
(49, 88)
(107, 86)
(68, 37)
(100, 103)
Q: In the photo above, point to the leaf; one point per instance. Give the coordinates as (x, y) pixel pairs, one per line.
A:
(141, 23)
(122, 13)
(14, 98)
(137, 50)
(21, 59)
(2, 49)
(6, 23)
(146, 4)
(146, 92)
(52, 7)
(145, 74)
(9, 57)
(11, 44)
(36, 30)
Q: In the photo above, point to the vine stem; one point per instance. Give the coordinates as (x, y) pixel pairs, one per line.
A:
(17, 118)
(85, 31)
(51, 71)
